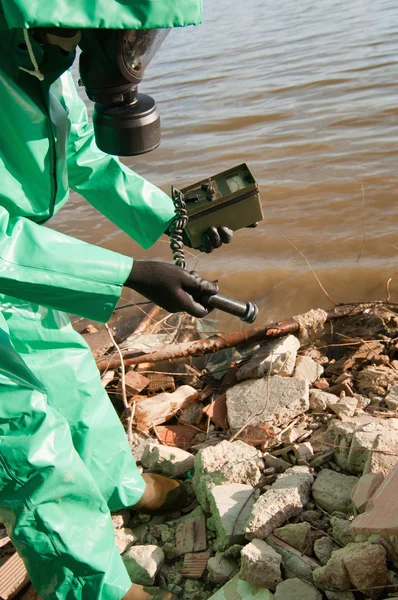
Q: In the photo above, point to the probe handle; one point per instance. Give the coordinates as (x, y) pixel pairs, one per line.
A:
(246, 311)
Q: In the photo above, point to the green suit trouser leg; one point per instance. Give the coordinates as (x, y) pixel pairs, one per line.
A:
(64, 458)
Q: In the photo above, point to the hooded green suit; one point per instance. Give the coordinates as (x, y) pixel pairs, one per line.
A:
(64, 457)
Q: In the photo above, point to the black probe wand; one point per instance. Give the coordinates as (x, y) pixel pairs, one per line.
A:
(246, 311)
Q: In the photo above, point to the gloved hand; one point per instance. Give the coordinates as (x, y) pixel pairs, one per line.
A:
(212, 238)
(171, 287)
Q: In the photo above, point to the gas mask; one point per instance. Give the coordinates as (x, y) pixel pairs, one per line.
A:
(112, 65)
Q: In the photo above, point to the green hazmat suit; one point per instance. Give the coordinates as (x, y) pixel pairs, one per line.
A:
(64, 457)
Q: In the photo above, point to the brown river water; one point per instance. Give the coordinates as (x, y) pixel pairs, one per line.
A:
(307, 94)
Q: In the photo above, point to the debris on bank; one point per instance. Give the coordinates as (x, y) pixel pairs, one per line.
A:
(287, 443)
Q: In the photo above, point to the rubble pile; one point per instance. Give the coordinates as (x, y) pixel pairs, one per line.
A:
(289, 453)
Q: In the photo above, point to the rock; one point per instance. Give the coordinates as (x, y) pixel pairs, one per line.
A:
(323, 548)
(191, 414)
(339, 595)
(378, 461)
(124, 537)
(286, 498)
(168, 460)
(276, 357)
(354, 440)
(231, 506)
(224, 463)
(261, 565)
(276, 463)
(364, 490)
(392, 398)
(380, 516)
(320, 400)
(221, 568)
(303, 452)
(296, 535)
(341, 531)
(137, 445)
(295, 564)
(143, 563)
(345, 408)
(298, 590)
(307, 369)
(349, 568)
(120, 519)
(357, 560)
(237, 589)
(272, 400)
(332, 491)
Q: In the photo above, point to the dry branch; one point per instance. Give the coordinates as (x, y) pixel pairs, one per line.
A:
(229, 340)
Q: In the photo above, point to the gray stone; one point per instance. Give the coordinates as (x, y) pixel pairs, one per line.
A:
(221, 568)
(276, 463)
(354, 439)
(295, 564)
(285, 499)
(339, 595)
(261, 565)
(224, 463)
(270, 399)
(345, 407)
(349, 568)
(378, 461)
(143, 563)
(392, 398)
(320, 401)
(190, 414)
(168, 460)
(307, 369)
(237, 589)
(276, 357)
(124, 538)
(231, 506)
(341, 531)
(357, 560)
(296, 535)
(332, 491)
(364, 490)
(323, 548)
(296, 589)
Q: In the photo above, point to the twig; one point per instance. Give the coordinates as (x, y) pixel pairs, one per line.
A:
(126, 405)
(388, 286)
(312, 270)
(363, 224)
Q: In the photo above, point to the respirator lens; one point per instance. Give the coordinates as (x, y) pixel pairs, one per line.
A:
(136, 50)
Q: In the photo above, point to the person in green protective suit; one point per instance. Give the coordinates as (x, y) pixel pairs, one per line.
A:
(64, 458)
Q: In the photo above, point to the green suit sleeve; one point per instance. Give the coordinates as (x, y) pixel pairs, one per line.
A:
(46, 267)
(139, 208)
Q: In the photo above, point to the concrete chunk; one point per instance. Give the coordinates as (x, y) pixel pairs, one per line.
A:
(323, 548)
(307, 369)
(364, 490)
(392, 398)
(143, 563)
(286, 498)
(296, 535)
(332, 491)
(276, 357)
(231, 506)
(297, 589)
(271, 399)
(168, 460)
(384, 453)
(349, 568)
(380, 516)
(237, 589)
(221, 568)
(320, 401)
(261, 565)
(224, 463)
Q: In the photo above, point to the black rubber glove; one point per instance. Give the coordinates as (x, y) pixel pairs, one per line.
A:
(212, 238)
(171, 287)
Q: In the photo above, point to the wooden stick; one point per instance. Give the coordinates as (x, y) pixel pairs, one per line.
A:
(229, 340)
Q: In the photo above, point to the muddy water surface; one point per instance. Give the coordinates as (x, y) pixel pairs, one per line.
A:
(307, 94)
